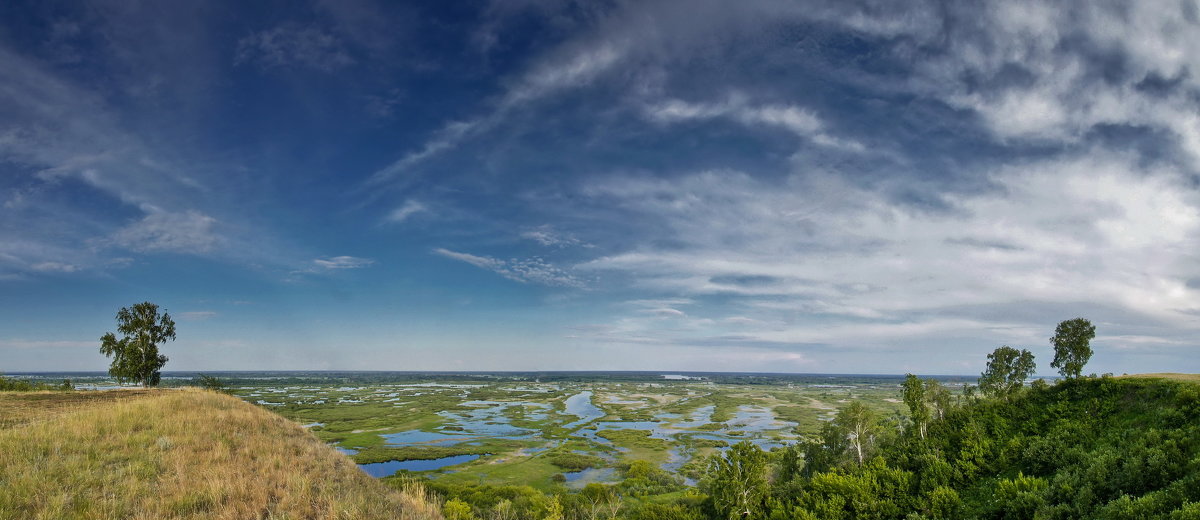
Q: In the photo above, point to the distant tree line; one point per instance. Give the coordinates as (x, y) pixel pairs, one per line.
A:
(24, 385)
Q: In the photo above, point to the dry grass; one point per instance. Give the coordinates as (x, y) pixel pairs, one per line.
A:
(1190, 378)
(178, 454)
(18, 408)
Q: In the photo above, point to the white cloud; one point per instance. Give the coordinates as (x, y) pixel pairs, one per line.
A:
(817, 260)
(1054, 71)
(25, 344)
(159, 231)
(533, 270)
(797, 120)
(197, 315)
(547, 236)
(343, 262)
(408, 209)
(54, 267)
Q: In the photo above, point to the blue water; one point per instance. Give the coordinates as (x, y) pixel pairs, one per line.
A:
(422, 437)
(488, 419)
(383, 469)
(580, 405)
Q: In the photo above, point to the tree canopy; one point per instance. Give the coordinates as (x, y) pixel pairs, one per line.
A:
(1006, 372)
(916, 399)
(1072, 346)
(737, 482)
(135, 355)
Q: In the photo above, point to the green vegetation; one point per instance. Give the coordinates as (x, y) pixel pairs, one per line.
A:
(1104, 448)
(571, 461)
(1072, 346)
(210, 383)
(177, 454)
(21, 385)
(1006, 372)
(135, 355)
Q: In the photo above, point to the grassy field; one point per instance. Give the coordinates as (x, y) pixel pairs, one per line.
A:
(189, 453)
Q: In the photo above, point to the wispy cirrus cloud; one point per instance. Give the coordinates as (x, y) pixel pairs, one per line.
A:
(62, 141)
(639, 40)
(197, 315)
(406, 211)
(798, 120)
(343, 262)
(162, 231)
(530, 270)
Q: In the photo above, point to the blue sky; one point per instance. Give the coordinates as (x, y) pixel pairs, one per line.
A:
(787, 186)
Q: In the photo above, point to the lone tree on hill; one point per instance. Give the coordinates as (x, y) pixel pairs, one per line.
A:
(1006, 372)
(135, 356)
(1072, 346)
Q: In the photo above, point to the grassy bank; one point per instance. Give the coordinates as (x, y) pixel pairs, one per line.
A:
(177, 454)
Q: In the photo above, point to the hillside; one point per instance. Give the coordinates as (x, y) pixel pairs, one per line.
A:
(177, 454)
(1106, 448)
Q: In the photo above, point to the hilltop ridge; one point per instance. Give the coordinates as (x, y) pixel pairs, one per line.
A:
(188, 453)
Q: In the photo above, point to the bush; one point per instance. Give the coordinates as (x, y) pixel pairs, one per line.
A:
(574, 461)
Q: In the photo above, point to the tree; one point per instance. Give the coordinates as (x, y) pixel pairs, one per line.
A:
(1007, 370)
(938, 397)
(208, 382)
(915, 398)
(135, 355)
(737, 482)
(858, 425)
(1072, 346)
(824, 451)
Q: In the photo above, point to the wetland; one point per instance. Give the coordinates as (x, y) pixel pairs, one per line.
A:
(553, 429)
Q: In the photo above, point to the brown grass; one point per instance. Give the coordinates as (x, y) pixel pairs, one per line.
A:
(178, 454)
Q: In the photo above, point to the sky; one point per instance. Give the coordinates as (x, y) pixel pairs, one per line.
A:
(846, 186)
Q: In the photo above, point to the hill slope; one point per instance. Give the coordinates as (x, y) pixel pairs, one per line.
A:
(177, 454)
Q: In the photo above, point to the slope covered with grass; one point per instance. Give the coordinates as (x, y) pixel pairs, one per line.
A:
(177, 454)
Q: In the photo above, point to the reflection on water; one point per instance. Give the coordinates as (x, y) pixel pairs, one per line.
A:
(578, 479)
(383, 469)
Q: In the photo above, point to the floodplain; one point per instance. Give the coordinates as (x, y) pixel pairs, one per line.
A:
(546, 430)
